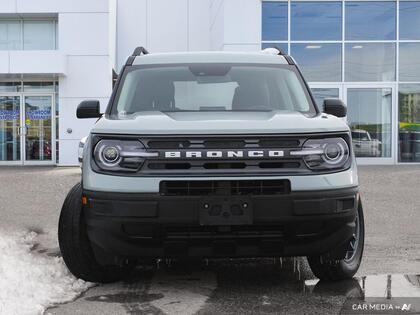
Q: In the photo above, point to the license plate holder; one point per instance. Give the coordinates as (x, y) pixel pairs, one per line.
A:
(226, 211)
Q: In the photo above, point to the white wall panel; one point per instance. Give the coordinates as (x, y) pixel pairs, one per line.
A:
(8, 6)
(198, 25)
(68, 152)
(112, 29)
(131, 28)
(87, 76)
(215, 7)
(83, 33)
(242, 22)
(217, 25)
(80, 127)
(38, 6)
(37, 62)
(241, 47)
(44, 6)
(167, 25)
(4, 62)
(82, 5)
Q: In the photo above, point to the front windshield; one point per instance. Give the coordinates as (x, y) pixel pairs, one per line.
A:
(211, 87)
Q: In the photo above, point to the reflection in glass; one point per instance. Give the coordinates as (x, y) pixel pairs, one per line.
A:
(282, 46)
(409, 19)
(9, 128)
(38, 35)
(10, 35)
(409, 62)
(370, 62)
(319, 62)
(274, 20)
(38, 125)
(10, 87)
(367, 20)
(369, 117)
(316, 21)
(320, 94)
(409, 123)
(41, 86)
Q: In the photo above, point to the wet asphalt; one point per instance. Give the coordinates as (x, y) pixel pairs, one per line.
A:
(30, 199)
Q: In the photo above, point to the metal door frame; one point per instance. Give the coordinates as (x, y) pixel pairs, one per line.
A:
(394, 120)
(22, 131)
(18, 162)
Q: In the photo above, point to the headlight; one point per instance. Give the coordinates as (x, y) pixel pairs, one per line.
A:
(121, 155)
(328, 153)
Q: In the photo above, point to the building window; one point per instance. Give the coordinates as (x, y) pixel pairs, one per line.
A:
(28, 34)
(319, 62)
(409, 20)
(320, 94)
(370, 62)
(356, 49)
(316, 21)
(409, 62)
(10, 35)
(274, 21)
(409, 123)
(370, 20)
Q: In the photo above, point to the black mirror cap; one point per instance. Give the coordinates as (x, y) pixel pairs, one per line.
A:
(88, 109)
(335, 106)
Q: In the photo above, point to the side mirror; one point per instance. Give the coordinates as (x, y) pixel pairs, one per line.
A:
(336, 107)
(88, 109)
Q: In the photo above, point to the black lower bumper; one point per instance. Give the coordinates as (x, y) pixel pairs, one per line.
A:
(306, 223)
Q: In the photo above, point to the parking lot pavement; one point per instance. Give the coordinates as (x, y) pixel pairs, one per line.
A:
(31, 197)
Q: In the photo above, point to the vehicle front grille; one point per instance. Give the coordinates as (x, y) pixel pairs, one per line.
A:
(223, 166)
(224, 143)
(224, 187)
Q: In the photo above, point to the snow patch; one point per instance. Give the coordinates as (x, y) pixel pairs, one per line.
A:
(31, 282)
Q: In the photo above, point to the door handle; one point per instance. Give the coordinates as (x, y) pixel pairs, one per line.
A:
(22, 131)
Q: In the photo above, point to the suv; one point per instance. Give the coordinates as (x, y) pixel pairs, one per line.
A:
(213, 154)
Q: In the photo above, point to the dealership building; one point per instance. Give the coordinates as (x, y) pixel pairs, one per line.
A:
(56, 53)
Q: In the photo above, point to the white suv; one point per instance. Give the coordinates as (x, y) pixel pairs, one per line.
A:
(213, 154)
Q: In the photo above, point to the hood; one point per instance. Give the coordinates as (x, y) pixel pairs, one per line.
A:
(175, 123)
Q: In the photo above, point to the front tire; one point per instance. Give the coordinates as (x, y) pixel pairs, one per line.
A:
(75, 245)
(335, 270)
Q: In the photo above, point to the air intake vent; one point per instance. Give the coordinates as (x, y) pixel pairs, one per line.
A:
(223, 187)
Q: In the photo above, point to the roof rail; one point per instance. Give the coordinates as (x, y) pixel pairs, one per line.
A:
(280, 52)
(137, 52)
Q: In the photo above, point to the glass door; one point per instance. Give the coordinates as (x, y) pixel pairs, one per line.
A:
(10, 129)
(370, 115)
(39, 147)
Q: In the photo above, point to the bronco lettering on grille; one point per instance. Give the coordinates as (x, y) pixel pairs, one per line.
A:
(229, 154)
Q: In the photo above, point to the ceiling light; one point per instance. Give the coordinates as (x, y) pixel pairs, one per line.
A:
(313, 46)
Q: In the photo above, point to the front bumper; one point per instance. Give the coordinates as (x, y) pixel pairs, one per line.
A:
(300, 223)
